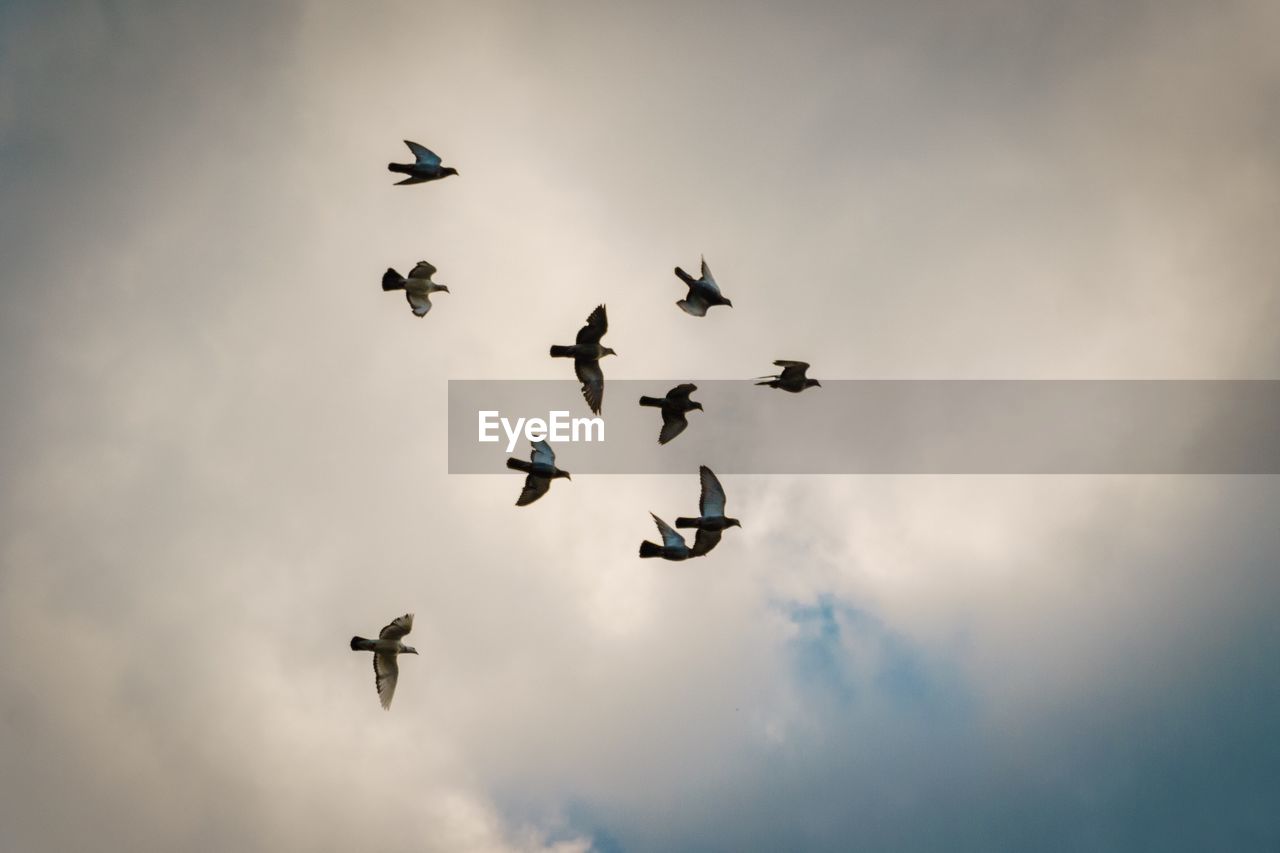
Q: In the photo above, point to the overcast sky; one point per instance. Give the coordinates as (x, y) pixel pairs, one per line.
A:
(224, 447)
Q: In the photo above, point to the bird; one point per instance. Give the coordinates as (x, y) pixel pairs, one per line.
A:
(385, 651)
(586, 353)
(673, 406)
(417, 286)
(712, 520)
(541, 469)
(426, 166)
(673, 546)
(703, 292)
(791, 378)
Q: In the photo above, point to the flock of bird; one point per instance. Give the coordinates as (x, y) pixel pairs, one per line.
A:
(586, 352)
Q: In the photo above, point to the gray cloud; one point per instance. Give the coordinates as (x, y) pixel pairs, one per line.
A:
(219, 432)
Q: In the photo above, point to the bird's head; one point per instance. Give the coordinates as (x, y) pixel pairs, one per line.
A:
(733, 522)
(606, 351)
(697, 406)
(812, 383)
(408, 650)
(443, 287)
(561, 473)
(729, 302)
(448, 170)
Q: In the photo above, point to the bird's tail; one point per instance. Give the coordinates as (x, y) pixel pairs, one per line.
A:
(652, 401)
(360, 644)
(392, 280)
(520, 465)
(687, 522)
(685, 277)
(561, 352)
(400, 167)
(648, 549)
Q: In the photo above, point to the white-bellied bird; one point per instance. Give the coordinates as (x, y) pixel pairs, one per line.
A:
(586, 353)
(674, 406)
(703, 292)
(425, 166)
(385, 651)
(712, 521)
(541, 470)
(417, 286)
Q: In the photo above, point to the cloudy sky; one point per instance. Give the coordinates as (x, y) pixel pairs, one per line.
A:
(224, 448)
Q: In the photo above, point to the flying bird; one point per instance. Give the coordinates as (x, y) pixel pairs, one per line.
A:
(713, 521)
(586, 354)
(791, 378)
(703, 292)
(385, 650)
(417, 286)
(674, 406)
(426, 166)
(541, 470)
(673, 546)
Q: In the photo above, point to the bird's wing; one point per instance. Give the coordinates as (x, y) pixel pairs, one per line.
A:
(673, 423)
(682, 392)
(670, 538)
(704, 542)
(534, 488)
(542, 454)
(398, 628)
(592, 379)
(423, 270)
(792, 370)
(419, 302)
(695, 305)
(424, 155)
(597, 325)
(707, 278)
(412, 179)
(711, 503)
(782, 362)
(385, 673)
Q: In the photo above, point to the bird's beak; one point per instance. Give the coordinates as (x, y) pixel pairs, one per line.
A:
(817, 383)
(729, 302)
(445, 288)
(568, 477)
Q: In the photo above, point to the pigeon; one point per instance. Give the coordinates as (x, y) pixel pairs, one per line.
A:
(586, 354)
(417, 287)
(711, 508)
(426, 166)
(541, 469)
(673, 406)
(673, 546)
(703, 292)
(385, 649)
(791, 378)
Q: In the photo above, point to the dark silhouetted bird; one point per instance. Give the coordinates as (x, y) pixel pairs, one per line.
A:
(713, 521)
(541, 469)
(426, 166)
(703, 292)
(586, 355)
(385, 650)
(791, 378)
(673, 406)
(673, 546)
(417, 287)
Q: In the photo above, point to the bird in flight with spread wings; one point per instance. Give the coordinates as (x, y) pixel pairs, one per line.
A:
(385, 651)
(541, 470)
(673, 546)
(417, 286)
(703, 292)
(674, 407)
(586, 353)
(425, 166)
(791, 378)
(712, 521)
